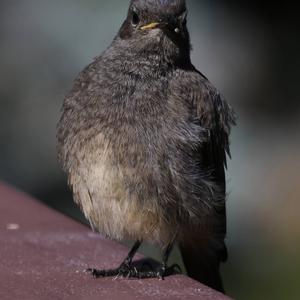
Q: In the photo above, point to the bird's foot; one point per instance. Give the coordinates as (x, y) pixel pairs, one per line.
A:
(160, 273)
(127, 271)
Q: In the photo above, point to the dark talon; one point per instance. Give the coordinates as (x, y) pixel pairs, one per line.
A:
(162, 273)
(89, 270)
(95, 273)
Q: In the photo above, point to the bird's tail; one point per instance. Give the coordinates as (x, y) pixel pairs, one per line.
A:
(202, 260)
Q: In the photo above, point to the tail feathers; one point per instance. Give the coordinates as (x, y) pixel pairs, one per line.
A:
(202, 262)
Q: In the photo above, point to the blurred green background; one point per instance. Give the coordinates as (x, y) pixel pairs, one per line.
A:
(249, 50)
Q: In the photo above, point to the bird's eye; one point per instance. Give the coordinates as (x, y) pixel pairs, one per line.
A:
(135, 19)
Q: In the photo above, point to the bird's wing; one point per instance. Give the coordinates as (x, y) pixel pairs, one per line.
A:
(202, 258)
(215, 115)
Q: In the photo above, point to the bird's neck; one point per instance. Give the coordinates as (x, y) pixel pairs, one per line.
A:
(149, 61)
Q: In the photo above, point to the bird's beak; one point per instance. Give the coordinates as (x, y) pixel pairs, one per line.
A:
(151, 26)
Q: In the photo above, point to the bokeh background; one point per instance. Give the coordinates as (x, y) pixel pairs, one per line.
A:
(249, 50)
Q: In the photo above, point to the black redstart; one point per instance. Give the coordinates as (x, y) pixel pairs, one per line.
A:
(143, 139)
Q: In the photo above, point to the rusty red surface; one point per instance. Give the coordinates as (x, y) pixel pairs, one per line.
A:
(43, 255)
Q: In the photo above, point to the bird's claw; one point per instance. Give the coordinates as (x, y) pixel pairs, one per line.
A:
(128, 271)
(124, 270)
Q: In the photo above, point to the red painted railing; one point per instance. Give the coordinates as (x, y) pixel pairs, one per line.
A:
(43, 254)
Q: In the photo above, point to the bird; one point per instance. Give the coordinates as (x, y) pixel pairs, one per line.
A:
(143, 138)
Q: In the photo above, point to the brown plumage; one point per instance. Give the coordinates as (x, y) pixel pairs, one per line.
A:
(143, 139)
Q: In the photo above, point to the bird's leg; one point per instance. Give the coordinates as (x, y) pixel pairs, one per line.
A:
(124, 270)
(162, 271)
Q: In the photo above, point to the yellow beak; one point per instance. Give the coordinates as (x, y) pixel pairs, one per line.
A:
(150, 26)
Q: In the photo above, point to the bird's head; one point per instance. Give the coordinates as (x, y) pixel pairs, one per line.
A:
(158, 25)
